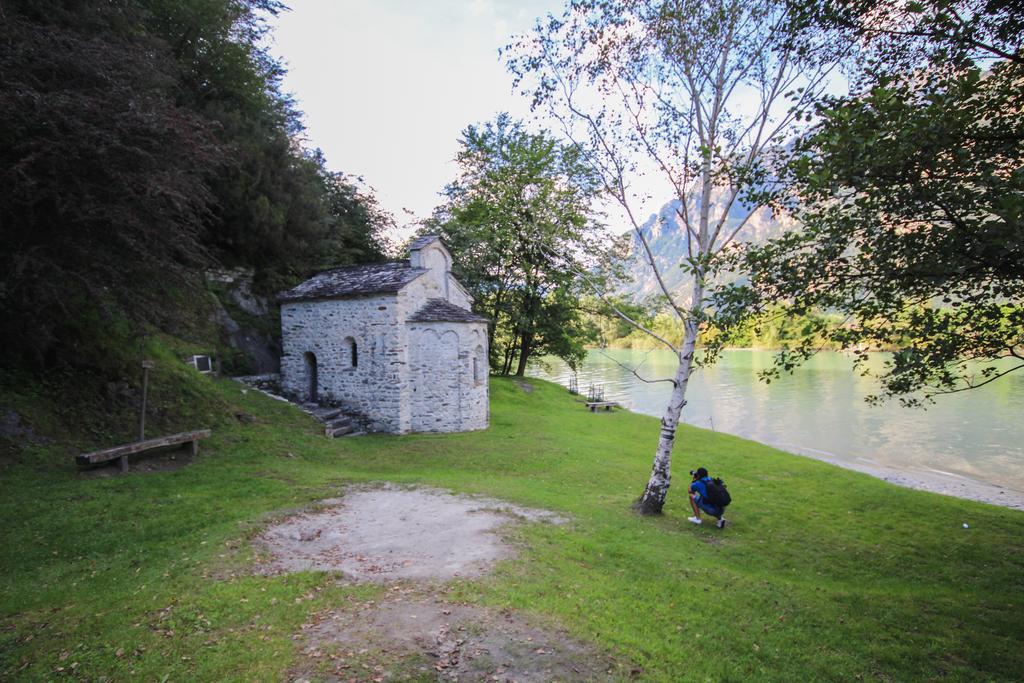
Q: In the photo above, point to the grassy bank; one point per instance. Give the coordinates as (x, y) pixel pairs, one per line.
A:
(825, 574)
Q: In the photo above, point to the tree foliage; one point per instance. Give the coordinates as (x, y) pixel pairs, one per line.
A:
(911, 194)
(141, 142)
(520, 221)
(103, 173)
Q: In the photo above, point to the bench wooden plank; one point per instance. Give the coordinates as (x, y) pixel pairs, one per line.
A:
(141, 446)
(607, 405)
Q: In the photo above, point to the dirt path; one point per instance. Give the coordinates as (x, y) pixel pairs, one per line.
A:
(426, 537)
(412, 635)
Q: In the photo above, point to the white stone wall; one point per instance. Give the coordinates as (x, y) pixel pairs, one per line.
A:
(430, 377)
(438, 261)
(476, 398)
(448, 376)
(457, 294)
(372, 388)
(434, 373)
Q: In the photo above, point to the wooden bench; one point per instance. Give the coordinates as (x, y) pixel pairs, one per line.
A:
(124, 451)
(607, 405)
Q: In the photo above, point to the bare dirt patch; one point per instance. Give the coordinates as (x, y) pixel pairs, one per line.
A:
(420, 637)
(399, 534)
(392, 533)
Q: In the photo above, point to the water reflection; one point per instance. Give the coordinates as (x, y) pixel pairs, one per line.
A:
(820, 410)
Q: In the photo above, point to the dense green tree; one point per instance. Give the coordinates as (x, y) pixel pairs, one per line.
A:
(911, 194)
(274, 200)
(355, 222)
(608, 328)
(140, 143)
(520, 221)
(103, 175)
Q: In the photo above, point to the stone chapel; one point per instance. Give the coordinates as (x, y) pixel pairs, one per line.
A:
(394, 343)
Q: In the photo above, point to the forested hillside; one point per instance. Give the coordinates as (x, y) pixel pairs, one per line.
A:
(144, 143)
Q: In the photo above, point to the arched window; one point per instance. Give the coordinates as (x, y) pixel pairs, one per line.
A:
(479, 365)
(353, 352)
(312, 390)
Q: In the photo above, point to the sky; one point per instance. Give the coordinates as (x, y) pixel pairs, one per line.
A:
(387, 86)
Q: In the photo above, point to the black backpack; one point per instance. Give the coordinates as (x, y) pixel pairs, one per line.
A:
(718, 495)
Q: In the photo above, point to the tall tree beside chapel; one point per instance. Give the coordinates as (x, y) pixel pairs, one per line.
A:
(520, 221)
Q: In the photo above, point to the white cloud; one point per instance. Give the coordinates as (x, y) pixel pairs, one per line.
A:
(478, 8)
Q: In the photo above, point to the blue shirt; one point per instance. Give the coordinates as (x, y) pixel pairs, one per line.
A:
(700, 487)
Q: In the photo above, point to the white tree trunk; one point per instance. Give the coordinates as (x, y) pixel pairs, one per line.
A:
(653, 499)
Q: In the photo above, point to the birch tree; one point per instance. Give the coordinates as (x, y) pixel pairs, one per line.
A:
(697, 95)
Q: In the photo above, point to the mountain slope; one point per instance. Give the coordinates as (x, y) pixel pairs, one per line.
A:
(666, 235)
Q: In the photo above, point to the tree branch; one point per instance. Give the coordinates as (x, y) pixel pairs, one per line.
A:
(634, 371)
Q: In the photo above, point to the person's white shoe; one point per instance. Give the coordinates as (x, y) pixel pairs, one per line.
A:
(695, 520)
(720, 523)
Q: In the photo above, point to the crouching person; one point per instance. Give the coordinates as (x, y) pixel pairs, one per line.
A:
(708, 495)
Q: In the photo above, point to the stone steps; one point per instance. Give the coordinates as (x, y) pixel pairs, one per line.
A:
(329, 414)
(335, 432)
(337, 422)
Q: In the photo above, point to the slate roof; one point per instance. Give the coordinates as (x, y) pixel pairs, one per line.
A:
(439, 310)
(375, 278)
(421, 242)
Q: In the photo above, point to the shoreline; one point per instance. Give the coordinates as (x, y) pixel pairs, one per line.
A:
(770, 349)
(933, 481)
(928, 479)
(918, 476)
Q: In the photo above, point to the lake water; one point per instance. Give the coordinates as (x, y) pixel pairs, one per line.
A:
(819, 410)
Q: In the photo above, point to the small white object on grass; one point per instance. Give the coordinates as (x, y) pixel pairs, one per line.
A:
(965, 526)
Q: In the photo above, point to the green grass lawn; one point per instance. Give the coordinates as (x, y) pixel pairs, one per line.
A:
(824, 574)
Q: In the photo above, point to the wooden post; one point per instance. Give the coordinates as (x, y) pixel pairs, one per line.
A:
(147, 365)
